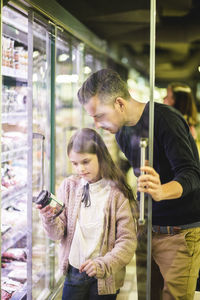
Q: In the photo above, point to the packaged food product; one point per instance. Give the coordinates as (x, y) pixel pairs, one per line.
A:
(46, 198)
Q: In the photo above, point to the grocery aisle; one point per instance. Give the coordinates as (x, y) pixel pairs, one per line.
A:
(41, 72)
(43, 65)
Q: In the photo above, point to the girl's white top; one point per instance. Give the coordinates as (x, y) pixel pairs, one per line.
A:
(88, 234)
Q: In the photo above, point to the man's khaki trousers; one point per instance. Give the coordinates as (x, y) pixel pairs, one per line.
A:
(175, 265)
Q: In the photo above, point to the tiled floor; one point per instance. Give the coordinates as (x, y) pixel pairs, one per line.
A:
(129, 290)
(197, 296)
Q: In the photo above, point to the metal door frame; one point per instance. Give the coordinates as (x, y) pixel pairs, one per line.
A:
(151, 137)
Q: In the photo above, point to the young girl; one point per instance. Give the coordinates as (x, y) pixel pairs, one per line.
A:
(97, 228)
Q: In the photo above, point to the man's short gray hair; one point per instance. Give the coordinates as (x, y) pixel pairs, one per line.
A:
(106, 84)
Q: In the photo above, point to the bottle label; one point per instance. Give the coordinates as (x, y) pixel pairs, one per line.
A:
(56, 201)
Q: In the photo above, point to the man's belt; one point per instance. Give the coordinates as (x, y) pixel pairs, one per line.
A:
(173, 229)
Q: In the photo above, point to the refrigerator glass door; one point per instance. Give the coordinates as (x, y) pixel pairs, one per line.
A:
(68, 112)
(14, 154)
(41, 154)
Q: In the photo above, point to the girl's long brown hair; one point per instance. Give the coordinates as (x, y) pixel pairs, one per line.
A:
(87, 140)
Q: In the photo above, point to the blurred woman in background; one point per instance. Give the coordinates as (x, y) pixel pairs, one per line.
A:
(179, 95)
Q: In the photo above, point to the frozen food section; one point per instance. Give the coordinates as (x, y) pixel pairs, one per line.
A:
(14, 155)
(43, 65)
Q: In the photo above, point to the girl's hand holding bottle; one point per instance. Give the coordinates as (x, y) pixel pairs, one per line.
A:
(47, 199)
(46, 212)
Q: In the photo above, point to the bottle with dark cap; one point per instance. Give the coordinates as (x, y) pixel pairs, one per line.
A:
(46, 198)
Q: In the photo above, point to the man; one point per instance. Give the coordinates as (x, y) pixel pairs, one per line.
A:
(173, 182)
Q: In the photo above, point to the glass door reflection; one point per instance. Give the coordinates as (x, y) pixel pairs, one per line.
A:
(41, 154)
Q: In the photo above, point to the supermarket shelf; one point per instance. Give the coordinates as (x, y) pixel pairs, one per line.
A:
(4, 229)
(11, 241)
(12, 194)
(13, 81)
(4, 272)
(19, 33)
(14, 24)
(17, 74)
(13, 154)
(21, 294)
(13, 117)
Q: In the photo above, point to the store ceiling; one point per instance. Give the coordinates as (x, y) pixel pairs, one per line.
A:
(126, 25)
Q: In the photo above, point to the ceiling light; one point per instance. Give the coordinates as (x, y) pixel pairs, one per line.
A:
(35, 77)
(65, 78)
(63, 57)
(87, 70)
(35, 54)
(124, 60)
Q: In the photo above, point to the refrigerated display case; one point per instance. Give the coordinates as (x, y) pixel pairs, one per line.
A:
(27, 255)
(92, 63)
(67, 116)
(14, 154)
(68, 112)
(42, 68)
(73, 62)
(43, 65)
(41, 120)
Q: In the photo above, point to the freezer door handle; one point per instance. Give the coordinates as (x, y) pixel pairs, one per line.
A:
(41, 137)
(37, 135)
(143, 146)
